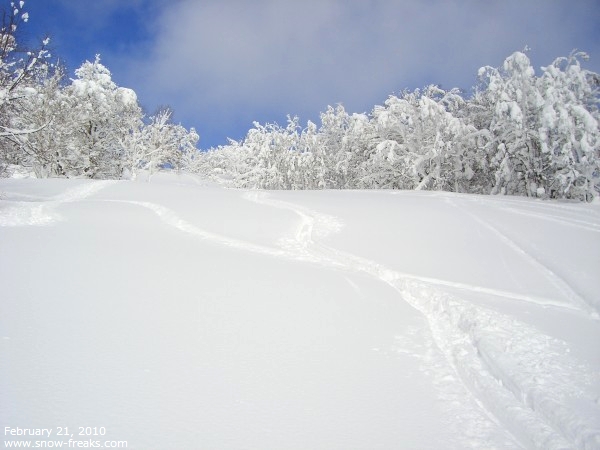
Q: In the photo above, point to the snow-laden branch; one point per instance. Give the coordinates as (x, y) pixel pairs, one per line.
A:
(16, 132)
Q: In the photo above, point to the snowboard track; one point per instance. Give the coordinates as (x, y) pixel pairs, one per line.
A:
(551, 275)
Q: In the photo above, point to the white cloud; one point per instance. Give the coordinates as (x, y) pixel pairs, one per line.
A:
(226, 60)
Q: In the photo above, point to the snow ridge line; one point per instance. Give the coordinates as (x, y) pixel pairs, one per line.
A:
(42, 212)
(468, 336)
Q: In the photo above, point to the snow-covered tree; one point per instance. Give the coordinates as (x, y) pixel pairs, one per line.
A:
(19, 70)
(268, 146)
(421, 144)
(45, 152)
(104, 116)
(158, 143)
(226, 163)
(543, 131)
(306, 169)
(569, 131)
(512, 103)
(343, 143)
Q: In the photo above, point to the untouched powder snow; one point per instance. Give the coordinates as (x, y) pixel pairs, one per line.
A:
(178, 314)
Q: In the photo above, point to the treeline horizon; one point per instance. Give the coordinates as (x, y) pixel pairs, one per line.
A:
(516, 134)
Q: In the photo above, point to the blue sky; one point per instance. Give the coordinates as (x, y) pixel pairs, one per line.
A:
(221, 64)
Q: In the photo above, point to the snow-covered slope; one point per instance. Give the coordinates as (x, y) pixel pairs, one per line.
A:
(181, 315)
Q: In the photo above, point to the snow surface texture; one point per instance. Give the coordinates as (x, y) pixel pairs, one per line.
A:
(178, 314)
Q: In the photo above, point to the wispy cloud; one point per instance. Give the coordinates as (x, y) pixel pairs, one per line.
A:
(234, 61)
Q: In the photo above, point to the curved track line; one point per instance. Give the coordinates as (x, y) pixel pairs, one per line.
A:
(42, 211)
(83, 191)
(169, 217)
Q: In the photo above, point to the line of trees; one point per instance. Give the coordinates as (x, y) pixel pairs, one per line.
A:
(84, 127)
(517, 134)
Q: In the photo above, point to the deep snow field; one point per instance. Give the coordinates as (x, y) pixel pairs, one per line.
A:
(178, 314)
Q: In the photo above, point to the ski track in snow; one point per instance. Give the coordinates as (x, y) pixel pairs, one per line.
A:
(556, 280)
(518, 375)
(572, 222)
(172, 219)
(585, 219)
(39, 211)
